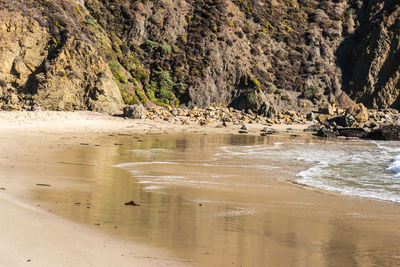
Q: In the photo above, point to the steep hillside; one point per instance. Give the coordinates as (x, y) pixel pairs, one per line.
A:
(259, 55)
(371, 54)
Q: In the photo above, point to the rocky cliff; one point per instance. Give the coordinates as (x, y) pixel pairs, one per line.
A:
(258, 55)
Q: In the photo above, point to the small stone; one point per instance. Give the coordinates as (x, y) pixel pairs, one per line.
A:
(266, 131)
(47, 185)
(131, 203)
(243, 127)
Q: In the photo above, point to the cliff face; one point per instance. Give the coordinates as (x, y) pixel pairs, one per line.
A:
(259, 55)
(46, 57)
(372, 74)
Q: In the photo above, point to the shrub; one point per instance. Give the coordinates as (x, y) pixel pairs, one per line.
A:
(116, 70)
(160, 90)
(150, 43)
(129, 99)
(251, 98)
(141, 95)
(88, 22)
(166, 49)
(114, 66)
(312, 91)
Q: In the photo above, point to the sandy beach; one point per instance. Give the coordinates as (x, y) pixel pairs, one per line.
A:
(33, 235)
(43, 225)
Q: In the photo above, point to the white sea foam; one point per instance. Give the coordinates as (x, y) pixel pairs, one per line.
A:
(394, 167)
(236, 212)
(152, 187)
(123, 165)
(392, 147)
(130, 164)
(357, 168)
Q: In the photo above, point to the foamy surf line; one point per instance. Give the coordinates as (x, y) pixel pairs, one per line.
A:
(316, 177)
(129, 164)
(394, 167)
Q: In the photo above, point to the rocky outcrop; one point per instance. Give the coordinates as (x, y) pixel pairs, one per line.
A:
(372, 75)
(78, 79)
(387, 132)
(262, 56)
(54, 66)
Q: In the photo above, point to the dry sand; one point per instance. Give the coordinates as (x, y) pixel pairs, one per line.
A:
(32, 235)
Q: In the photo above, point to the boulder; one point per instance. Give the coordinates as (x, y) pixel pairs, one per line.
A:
(327, 109)
(362, 114)
(344, 101)
(352, 132)
(344, 121)
(135, 111)
(323, 118)
(387, 132)
(312, 128)
(327, 133)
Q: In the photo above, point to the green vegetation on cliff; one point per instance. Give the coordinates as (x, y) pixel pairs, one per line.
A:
(245, 54)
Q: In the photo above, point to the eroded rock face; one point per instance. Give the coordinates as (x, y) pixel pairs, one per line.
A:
(56, 68)
(22, 50)
(262, 56)
(78, 79)
(373, 73)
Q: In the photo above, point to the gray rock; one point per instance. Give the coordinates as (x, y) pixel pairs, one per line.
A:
(135, 112)
(313, 128)
(327, 133)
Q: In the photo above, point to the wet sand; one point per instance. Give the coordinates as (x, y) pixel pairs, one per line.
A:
(234, 222)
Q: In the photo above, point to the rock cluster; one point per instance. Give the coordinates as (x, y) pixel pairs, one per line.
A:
(222, 116)
(328, 121)
(358, 121)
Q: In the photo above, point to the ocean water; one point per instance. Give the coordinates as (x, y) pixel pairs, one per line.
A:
(224, 200)
(366, 169)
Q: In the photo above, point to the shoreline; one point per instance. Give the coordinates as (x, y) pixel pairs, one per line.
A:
(20, 130)
(61, 130)
(92, 122)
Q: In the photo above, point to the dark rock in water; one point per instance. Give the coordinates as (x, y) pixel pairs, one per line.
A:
(344, 121)
(327, 133)
(135, 112)
(387, 132)
(131, 203)
(243, 127)
(352, 132)
(313, 128)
